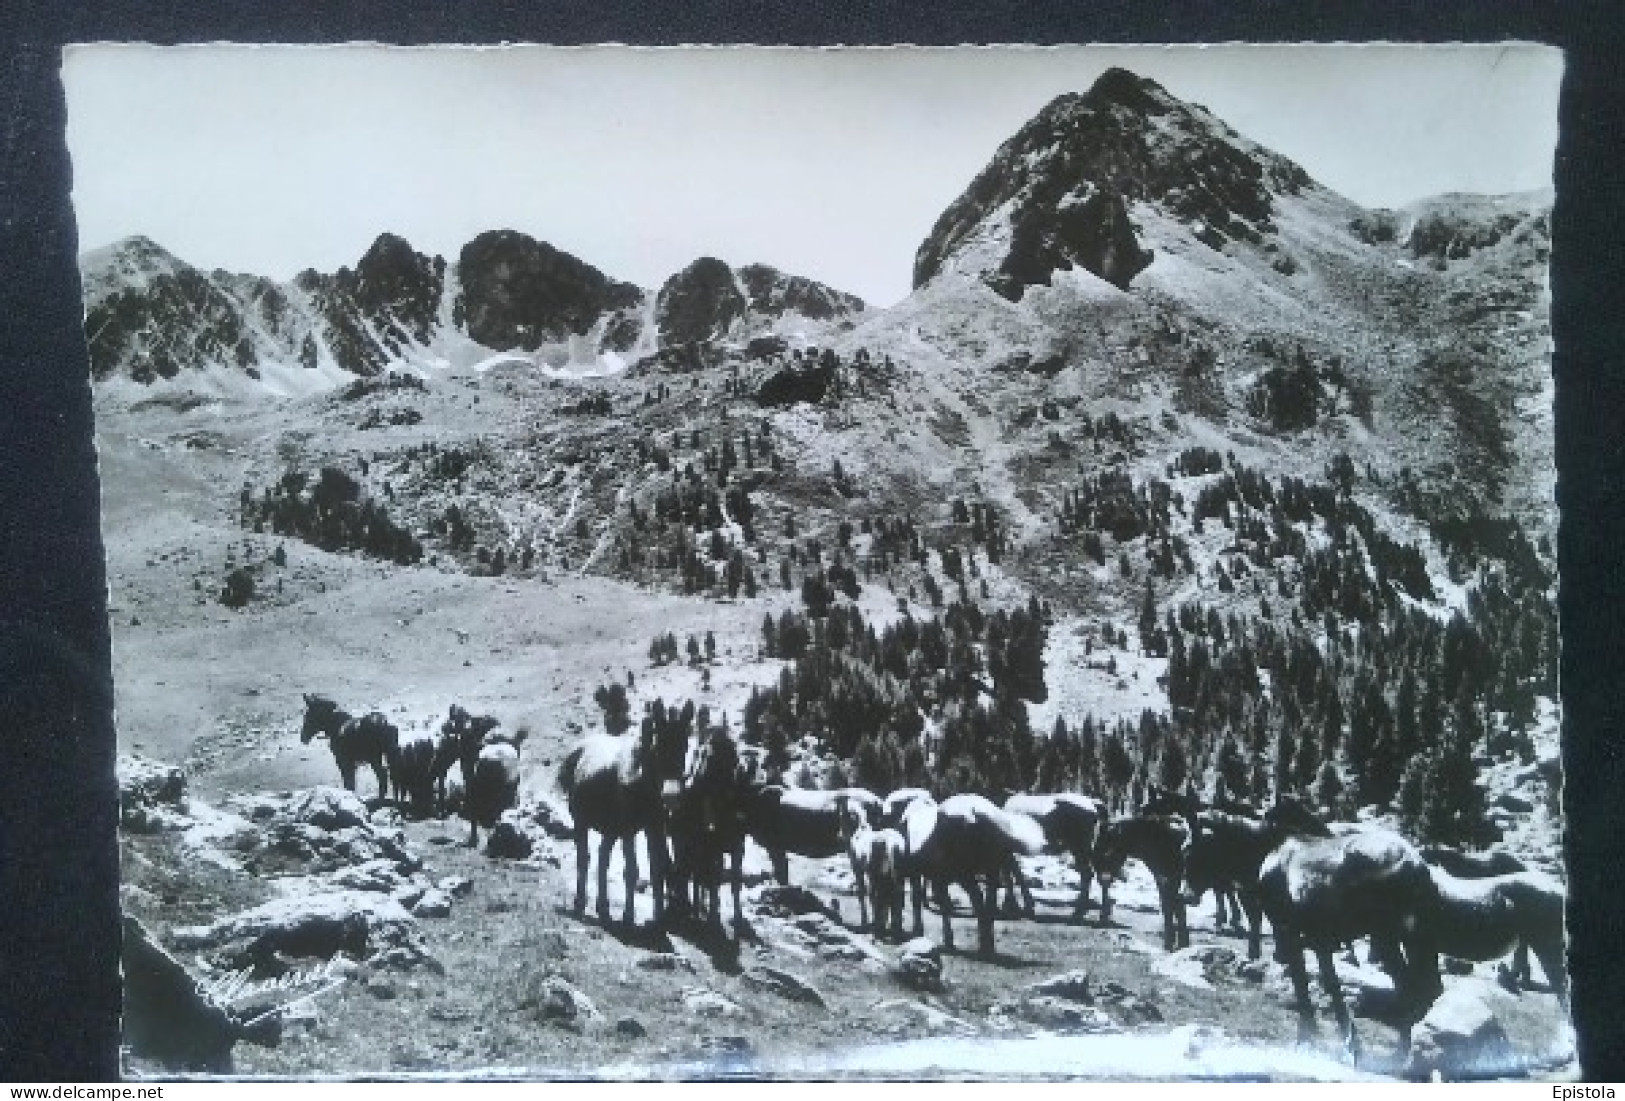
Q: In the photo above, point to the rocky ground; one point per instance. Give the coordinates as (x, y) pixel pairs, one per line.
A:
(434, 957)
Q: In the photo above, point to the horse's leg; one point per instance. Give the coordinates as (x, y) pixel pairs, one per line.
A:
(736, 876)
(861, 882)
(781, 867)
(1086, 874)
(606, 847)
(1170, 938)
(918, 886)
(1550, 955)
(380, 772)
(582, 859)
(985, 906)
(1028, 910)
(347, 772)
(1290, 952)
(1334, 990)
(629, 875)
(1255, 925)
(939, 889)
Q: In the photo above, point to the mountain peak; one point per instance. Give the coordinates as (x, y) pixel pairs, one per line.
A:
(1059, 194)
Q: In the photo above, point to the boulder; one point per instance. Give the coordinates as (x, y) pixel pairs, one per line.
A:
(361, 924)
(784, 984)
(456, 886)
(152, 796)
(708, 1003)
(1460, 1036)
(327, 808)
(664, 961)
(561, 1004)
(1054, 1014)
(919, 964)
(433, 904)
(372, 875)
(1073, 986)
(144, 781)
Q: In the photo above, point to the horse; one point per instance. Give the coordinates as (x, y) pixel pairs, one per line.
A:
(706, 825)
(1160, 842)
(354, 741)
(965, 839)
(876, 857)
(411, 768)
(1199, 816)
(1229, 851)
(1071, 824)
(808, 823)
(1485, 919)
(1322, 892)
(461, 737)
(493, 786)
(893, 806)
(617, 786)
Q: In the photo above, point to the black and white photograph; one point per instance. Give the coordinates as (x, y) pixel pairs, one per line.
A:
(855, 563)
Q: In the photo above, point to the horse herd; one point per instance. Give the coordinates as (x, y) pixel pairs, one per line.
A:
(695, 796)
(419, 762)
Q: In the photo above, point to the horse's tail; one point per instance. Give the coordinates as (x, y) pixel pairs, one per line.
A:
(568, 768)
(1022, 832)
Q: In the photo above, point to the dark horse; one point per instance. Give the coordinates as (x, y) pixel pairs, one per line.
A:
(1160, 842)
(1484, 919)
(618, 786)
(493, 785)
(461, 737)
(1228, 904)
(967, 840)
(707, 826)
(803, 821)
(1322, 892)
(368, 740)
(1071, 824)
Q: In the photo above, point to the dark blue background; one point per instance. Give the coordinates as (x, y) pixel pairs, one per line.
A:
(59, 931)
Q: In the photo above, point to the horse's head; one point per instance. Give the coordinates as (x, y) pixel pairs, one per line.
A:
(1111, 853)
(851, 815)
(319, 714)
(1290, 816)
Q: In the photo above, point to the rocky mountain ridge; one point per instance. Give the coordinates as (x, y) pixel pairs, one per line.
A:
(150, 315)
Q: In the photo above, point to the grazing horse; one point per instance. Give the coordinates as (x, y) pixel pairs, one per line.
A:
(807, 823)
(707, 825)
(461, 738)
(876, 857)
(1071, 824)
(354, 741)
(618, 785)
(966, 839)
(1484, 919)
(1322, 892)
(1160, 842)
(493, 786)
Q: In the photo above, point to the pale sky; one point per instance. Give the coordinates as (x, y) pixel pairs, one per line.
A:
(828, 163)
